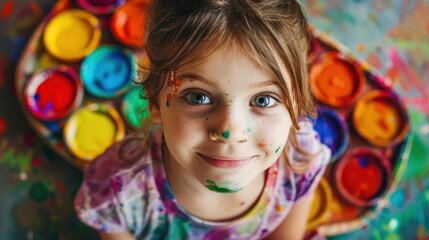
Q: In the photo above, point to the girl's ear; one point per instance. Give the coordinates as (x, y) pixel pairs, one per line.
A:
(154, 111)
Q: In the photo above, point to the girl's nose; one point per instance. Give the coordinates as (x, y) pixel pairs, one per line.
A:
(230, 126)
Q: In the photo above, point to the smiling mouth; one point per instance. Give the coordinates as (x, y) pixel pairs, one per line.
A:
(225, 162)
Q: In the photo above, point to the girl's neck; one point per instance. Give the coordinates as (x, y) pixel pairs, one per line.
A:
(207, 205)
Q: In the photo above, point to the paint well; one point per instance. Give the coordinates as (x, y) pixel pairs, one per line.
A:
(72, 34)
(92, 129)
(100, 6)
(336, 80)
(127, 23)
(332, 130)
(362, 176)
(135, 108)
(379, 118)
(53, 93)
(108, 71)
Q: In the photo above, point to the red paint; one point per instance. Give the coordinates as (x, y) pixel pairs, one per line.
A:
(57, 93)
(35, 162)
(362, 177)
(6, 11)
(3, 125)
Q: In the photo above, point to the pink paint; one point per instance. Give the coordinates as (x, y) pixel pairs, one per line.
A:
(412, 77)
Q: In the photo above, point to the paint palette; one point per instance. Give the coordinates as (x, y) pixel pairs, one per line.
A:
(75, 84)
(75, 79)
(366, 126)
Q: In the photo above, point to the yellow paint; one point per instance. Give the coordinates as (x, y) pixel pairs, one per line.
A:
(95, 132)
(379, 121)
(72, 34)
(92, 129)
(320, 204)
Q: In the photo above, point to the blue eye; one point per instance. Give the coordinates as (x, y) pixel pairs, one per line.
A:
(198, 98)
(264, 101)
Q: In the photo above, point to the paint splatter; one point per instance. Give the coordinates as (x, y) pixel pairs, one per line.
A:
(249, 129)
(3, 125)
(226, 134)
(7, 9)
(224, 187)
(277, 150)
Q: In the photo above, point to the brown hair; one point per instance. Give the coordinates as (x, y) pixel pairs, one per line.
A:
(273, 32)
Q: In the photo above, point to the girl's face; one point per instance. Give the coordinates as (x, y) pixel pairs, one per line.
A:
(224, 121)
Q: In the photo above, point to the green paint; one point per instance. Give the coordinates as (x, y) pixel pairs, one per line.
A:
(39, 192)
(224, 187)
(277, 150)
(225, 134)
(249, 129)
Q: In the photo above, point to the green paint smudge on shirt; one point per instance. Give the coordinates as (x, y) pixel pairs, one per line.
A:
(227, 188)
(225, 134)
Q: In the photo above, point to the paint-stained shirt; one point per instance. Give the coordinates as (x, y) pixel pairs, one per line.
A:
(134, 196)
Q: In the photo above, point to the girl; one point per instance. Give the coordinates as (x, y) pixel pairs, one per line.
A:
(233, 156)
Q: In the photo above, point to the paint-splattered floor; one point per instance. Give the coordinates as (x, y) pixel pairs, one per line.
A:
(37, 186)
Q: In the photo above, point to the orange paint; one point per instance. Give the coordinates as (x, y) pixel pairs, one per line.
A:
(336, 81)
(127, 23)
(379, 119)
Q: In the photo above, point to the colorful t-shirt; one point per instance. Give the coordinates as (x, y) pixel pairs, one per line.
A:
(120, 195)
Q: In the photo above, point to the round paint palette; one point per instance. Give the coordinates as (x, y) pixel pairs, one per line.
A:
(95, 47)
(365, 125)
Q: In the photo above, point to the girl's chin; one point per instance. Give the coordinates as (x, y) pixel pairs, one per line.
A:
(223, 186)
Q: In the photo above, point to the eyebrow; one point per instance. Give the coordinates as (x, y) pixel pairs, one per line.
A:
(202, 79)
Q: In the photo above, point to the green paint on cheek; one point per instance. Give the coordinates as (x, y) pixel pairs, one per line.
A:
(224, 187)
(249, 129)
(225, 134)
(277, 150)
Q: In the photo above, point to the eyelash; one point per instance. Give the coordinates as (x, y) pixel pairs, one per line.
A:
(188, 94)
(265, 94)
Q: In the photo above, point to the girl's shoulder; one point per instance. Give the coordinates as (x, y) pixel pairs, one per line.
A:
(116, 179)
(313, 154)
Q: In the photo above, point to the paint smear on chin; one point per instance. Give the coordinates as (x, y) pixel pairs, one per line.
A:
(223, 187)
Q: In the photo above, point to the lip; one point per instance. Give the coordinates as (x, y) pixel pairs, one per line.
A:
(222, 162)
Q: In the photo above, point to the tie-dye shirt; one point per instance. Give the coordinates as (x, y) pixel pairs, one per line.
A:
(120, 195)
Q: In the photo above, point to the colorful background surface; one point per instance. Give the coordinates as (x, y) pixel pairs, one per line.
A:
(37, 186)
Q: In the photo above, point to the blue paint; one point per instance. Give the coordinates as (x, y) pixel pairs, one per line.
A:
(332, 130)
(108, 71)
